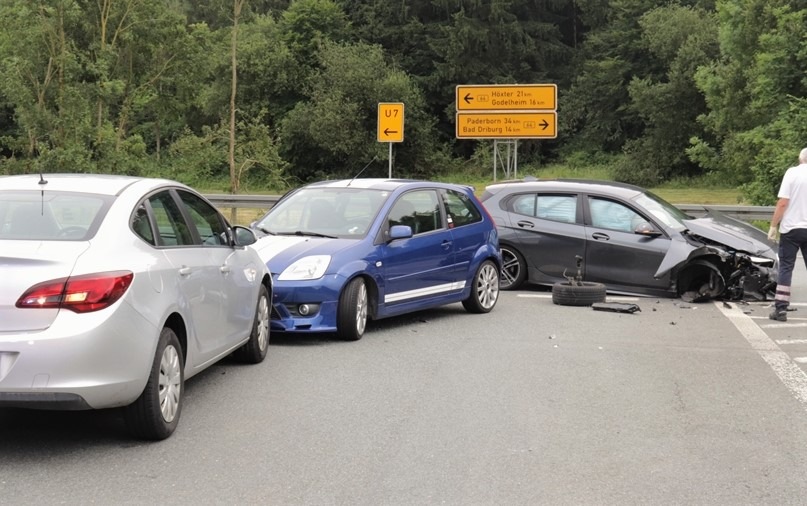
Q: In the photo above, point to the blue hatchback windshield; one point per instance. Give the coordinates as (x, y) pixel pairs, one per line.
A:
(334, 212)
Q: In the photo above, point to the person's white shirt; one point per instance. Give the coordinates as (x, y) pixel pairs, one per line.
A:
(794, 188)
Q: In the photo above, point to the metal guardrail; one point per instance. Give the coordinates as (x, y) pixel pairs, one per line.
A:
(248, 201)
(745, 213)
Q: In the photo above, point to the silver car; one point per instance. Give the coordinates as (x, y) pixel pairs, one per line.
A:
(116, 289)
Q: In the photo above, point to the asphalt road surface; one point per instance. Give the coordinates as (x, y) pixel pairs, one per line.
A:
(531, 404)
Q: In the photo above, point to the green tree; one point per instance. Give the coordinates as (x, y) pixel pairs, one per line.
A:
(680, 39)
(756, 95)
(595, 111)
(445, 43)
(308, 24)
(333, 133)
(81, 78)
(269, 80)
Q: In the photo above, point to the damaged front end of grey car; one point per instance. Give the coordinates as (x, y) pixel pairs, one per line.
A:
(719, 257)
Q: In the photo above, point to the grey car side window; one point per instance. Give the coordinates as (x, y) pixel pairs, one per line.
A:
(561, 208)
(613, 215)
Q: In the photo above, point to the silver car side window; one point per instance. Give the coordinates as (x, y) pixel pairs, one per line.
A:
(209, 223)
(171, 227)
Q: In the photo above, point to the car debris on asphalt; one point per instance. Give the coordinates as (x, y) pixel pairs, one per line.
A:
(616, 307)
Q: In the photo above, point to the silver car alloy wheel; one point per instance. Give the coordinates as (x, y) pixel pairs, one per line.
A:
(170, 379)
(361, 309)
(263, 323)
(487, 285)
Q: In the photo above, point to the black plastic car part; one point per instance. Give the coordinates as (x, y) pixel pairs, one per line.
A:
(616, 307)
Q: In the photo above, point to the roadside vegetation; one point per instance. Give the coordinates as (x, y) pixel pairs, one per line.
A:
(258, 96)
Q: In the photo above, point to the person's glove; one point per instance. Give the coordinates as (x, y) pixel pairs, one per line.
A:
(772, 233)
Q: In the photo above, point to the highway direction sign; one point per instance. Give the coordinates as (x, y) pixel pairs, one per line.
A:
(390, 122)
(507, 97)
(507, 125)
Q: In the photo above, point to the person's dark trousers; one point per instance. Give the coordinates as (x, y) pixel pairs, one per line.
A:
(789, 246)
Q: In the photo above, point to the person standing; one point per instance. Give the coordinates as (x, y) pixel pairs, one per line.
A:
(790, 218)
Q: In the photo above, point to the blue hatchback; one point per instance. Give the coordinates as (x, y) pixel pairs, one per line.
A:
(343, 252)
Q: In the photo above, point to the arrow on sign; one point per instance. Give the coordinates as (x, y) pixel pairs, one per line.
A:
(468, 98)
(545, 124)
(387, 131)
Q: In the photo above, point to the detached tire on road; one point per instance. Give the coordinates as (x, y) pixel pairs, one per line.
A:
(584, 293)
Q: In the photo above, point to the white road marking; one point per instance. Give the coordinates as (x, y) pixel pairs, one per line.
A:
(801, 360)
(793, 377)
(783, 325)
(608, 298)
(791, 341)
(789, 318)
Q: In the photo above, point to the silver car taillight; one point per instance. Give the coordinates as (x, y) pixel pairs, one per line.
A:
(81, 294)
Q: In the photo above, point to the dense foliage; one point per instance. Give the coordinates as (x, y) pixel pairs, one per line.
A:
(266, 94)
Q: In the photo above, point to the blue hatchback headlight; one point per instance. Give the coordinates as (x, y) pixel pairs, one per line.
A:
(311, 267)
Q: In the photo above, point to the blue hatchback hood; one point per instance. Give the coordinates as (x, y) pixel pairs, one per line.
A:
(280, 251)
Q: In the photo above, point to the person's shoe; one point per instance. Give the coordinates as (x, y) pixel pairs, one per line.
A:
(779, 315)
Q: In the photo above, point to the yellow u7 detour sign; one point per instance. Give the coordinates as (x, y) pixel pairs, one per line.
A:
(507, 125)
(390, 122)
(507, 97)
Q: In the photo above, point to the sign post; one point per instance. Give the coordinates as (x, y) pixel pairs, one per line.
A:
(390, 125)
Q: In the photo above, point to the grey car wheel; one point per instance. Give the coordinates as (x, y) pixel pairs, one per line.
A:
(254, 350)
(514, 269)
(155, 414)
(352, 314)
(582, 293)
(485, 289)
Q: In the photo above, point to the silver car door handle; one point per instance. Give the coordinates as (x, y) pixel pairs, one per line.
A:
(526, 224)
(600, 236)
(225, 269)
(184, 271)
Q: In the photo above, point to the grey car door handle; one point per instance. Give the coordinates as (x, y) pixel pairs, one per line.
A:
(184, 271)
(526, 224)
(225, 269)
(601, 237)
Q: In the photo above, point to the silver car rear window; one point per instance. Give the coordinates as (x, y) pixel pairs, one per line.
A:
(50, 216)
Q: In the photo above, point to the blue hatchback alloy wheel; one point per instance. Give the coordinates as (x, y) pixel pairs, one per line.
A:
(353, 311)
(485, 290)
